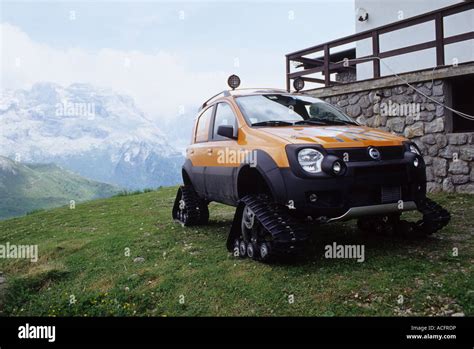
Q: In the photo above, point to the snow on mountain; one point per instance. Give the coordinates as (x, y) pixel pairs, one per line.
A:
(95, 132)
(7, 166)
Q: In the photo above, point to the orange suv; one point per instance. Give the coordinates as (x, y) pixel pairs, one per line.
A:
(287, 159)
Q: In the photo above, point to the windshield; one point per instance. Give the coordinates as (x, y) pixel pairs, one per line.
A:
(285, 110)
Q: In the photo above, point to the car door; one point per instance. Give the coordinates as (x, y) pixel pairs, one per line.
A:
(223, 157)
(198, 151)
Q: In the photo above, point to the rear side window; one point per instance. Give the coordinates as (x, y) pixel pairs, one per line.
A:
(224, 116)
(202, 129)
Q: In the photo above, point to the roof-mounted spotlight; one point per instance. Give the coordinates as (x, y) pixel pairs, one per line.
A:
(233, 81)
(298, 84)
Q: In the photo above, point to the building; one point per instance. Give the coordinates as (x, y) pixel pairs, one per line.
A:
(409, 69)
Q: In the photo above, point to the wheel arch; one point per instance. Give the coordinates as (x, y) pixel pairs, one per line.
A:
(186, 177)
(265, 176)
(186, 172)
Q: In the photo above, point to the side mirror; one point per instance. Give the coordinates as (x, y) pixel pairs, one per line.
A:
(226, 131)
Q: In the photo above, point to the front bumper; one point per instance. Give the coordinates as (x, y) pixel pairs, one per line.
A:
(374, 210)
(364, 184)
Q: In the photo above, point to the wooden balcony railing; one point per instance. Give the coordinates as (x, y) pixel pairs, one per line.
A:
(326, 67)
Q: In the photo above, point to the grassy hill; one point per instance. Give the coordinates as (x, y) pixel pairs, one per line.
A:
(25, 188)
(84, 268)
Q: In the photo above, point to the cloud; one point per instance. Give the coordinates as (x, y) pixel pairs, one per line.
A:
(160, 82)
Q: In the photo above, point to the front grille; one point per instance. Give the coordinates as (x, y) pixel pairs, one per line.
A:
(362, 154)
(391, 194)
(373, 195)
(363, 196)
(384, 170)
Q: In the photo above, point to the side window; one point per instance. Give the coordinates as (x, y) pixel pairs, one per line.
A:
(202, 128)
(224, 116)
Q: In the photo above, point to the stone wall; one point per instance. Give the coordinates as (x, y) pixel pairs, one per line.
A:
(403, 111)
(346, 76)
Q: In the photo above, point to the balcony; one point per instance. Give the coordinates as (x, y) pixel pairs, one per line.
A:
(339, 67)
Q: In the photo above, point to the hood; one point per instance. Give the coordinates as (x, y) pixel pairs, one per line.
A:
(335, 136)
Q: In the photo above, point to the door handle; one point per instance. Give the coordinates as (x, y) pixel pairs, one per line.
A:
(209, 151)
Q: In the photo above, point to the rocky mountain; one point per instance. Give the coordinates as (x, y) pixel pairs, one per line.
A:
(182, 134)
(24, 188)
(94, 132)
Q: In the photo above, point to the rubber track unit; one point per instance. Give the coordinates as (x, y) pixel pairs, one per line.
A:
(435, 217)
(288, 236)
(197, 212)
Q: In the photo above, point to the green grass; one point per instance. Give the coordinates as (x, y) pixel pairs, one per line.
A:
(26, 188)
(82, 255)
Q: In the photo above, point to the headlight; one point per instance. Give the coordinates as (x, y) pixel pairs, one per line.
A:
(310, 160)
(414, 149)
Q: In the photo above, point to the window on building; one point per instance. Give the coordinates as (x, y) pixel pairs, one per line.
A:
(460, 96)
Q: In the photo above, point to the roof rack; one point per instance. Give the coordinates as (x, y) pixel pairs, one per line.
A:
(257, 90)
(227, 93)
(224, 93)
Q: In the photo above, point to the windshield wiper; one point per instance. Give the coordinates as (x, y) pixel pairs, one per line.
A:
(343, 122)
(272, 123)
(313, 122)
(324, 122)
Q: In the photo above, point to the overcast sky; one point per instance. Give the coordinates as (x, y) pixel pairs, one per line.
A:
(163, 54)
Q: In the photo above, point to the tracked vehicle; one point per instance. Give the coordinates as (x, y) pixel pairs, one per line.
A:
(288, 161)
